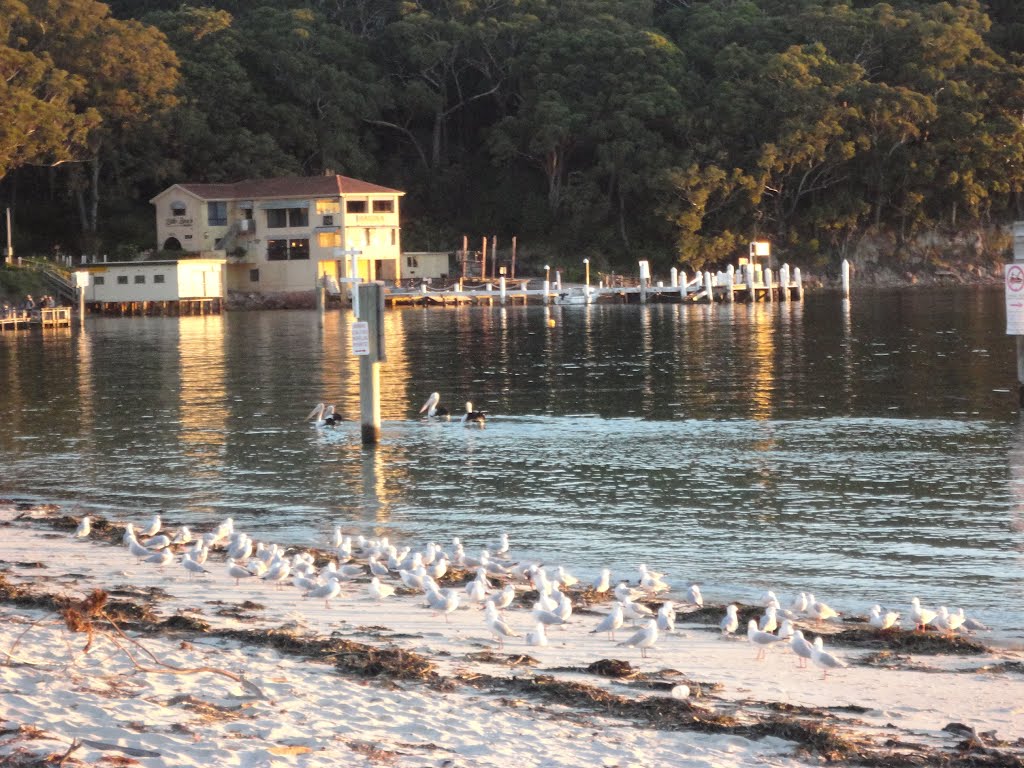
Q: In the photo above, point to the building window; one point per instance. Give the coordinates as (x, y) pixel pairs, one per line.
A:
(369, 235)
(139, 279)
(158, 278)
(122, 279)
(98, 280)
(411, 261)
(178, 208)
(328, 206)
(254, 275)
(283, 250)
(383, 206)
(328, 239)
(355, 206)
(277, 250)
(394, 236)
(281, 218)
(217, 213)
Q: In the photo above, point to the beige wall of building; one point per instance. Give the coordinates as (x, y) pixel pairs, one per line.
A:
(281, 235)
(155, 280)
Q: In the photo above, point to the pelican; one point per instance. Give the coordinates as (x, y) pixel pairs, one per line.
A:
(323, 416)
(471, 416)
(432, 408)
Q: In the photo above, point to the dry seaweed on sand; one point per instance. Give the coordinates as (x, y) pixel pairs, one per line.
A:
(929, 643)
(505, 660)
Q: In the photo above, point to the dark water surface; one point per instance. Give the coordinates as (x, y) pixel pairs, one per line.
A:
(867, 452)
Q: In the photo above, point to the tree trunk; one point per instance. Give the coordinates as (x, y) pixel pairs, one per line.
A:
(94, 203)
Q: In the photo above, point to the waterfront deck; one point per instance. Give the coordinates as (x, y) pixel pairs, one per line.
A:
(728, 286)
(49, 317)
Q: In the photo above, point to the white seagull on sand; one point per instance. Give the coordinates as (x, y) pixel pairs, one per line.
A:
(379, 591)
(611, 622)
(643, 638)
(824, 659)
(83, 529)
(801, 648)
(498, 627)
(730, 622)
(761, 639)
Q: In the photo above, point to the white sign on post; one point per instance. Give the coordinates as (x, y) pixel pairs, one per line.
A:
(360, 338)
(1014, 279)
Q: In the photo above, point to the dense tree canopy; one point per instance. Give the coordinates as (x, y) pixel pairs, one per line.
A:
(618, 128)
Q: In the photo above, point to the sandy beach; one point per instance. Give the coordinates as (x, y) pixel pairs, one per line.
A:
(199, 671)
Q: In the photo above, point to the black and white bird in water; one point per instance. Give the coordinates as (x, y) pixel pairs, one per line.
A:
(432, 409)
(473, 417)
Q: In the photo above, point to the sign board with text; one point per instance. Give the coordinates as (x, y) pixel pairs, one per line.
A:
(1014, 283)
(360, 338)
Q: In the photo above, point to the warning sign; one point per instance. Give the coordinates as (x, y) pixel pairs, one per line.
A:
(1015, 299)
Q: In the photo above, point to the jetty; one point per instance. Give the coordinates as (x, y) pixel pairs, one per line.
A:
(47, 317)
(748, 283)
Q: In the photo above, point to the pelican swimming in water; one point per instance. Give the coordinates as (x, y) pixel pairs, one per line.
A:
(432, 409)
(476, 417)
(323, 416)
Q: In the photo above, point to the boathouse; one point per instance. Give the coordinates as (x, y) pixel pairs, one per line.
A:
(174, 286)
(283, 235)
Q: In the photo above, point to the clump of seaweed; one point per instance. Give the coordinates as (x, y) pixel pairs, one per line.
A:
(928, 643)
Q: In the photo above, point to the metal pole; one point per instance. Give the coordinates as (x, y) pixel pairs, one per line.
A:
(846, 279)
(80, 290)
(371, 297)
(9, 253)
(513, 275)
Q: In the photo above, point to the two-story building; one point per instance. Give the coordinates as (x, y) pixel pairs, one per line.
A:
(282, 235)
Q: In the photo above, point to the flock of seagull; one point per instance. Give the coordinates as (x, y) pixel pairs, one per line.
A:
(494, 587)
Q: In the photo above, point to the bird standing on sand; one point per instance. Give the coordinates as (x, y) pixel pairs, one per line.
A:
(152, 529)
(379, 591)
(611, 622)
(801, 648)
(537, 636)
(643, 638)
(761, 639)
(497, 626)
(922, 616)
(730, 622)
(83, 529)
(823, 659)
(883, 621)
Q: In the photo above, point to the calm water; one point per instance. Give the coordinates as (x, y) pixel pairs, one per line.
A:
(868, 453)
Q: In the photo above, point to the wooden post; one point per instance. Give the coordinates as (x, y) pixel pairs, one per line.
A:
(674, 277)
(682, 284)
(547, 292)
(494, 256)
(799, 284)
(749, 271)
(371, 303)
(784, 282)
(320, 297)
(9, 251)
(465, 255)
(709, 286)
(846, 278)
(767, 279)
(501, 287)
(483, 259)
(80, 291)
(513, 257)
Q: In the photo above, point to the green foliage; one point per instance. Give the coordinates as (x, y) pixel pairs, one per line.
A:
(617, 128)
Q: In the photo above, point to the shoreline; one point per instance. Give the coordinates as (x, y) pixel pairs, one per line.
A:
(480, 705)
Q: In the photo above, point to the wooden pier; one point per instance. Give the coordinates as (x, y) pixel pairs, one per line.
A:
(47, 317)
(202, 306)
(732, 285)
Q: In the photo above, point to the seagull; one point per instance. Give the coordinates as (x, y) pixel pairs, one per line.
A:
(635, 611)
(818, 610)
(551, 618)
(946, 621)
(379, 591)
(801, 648)
(769, 622)
(503, 545)
(888, 620)
(158, 542)
(328, 591)
(922, 616)
(83, 529)
(761, 639)
(971, 623)
(824, 659)
(129, 534)
(192, 566)
(603, 582)
(799, 604)
(498, 627)
(432, 408)
(667, 617)
(473, 417)
(377, 568)
(537, 636)
(694, 596)
(161, 558)
(611, 622)
(643, 638)
(138, 551)
(152, 529)
(238, 572)
(445, 601)
(769, 599)
(652, 581)
(786, 630)
(730, 622)
(504, 598)
(565, 578)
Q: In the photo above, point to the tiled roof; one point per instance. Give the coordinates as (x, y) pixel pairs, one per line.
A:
(293, 186)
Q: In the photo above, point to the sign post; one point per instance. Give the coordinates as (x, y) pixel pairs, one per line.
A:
(1014, 283)
(368, 343)
(353, 274)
